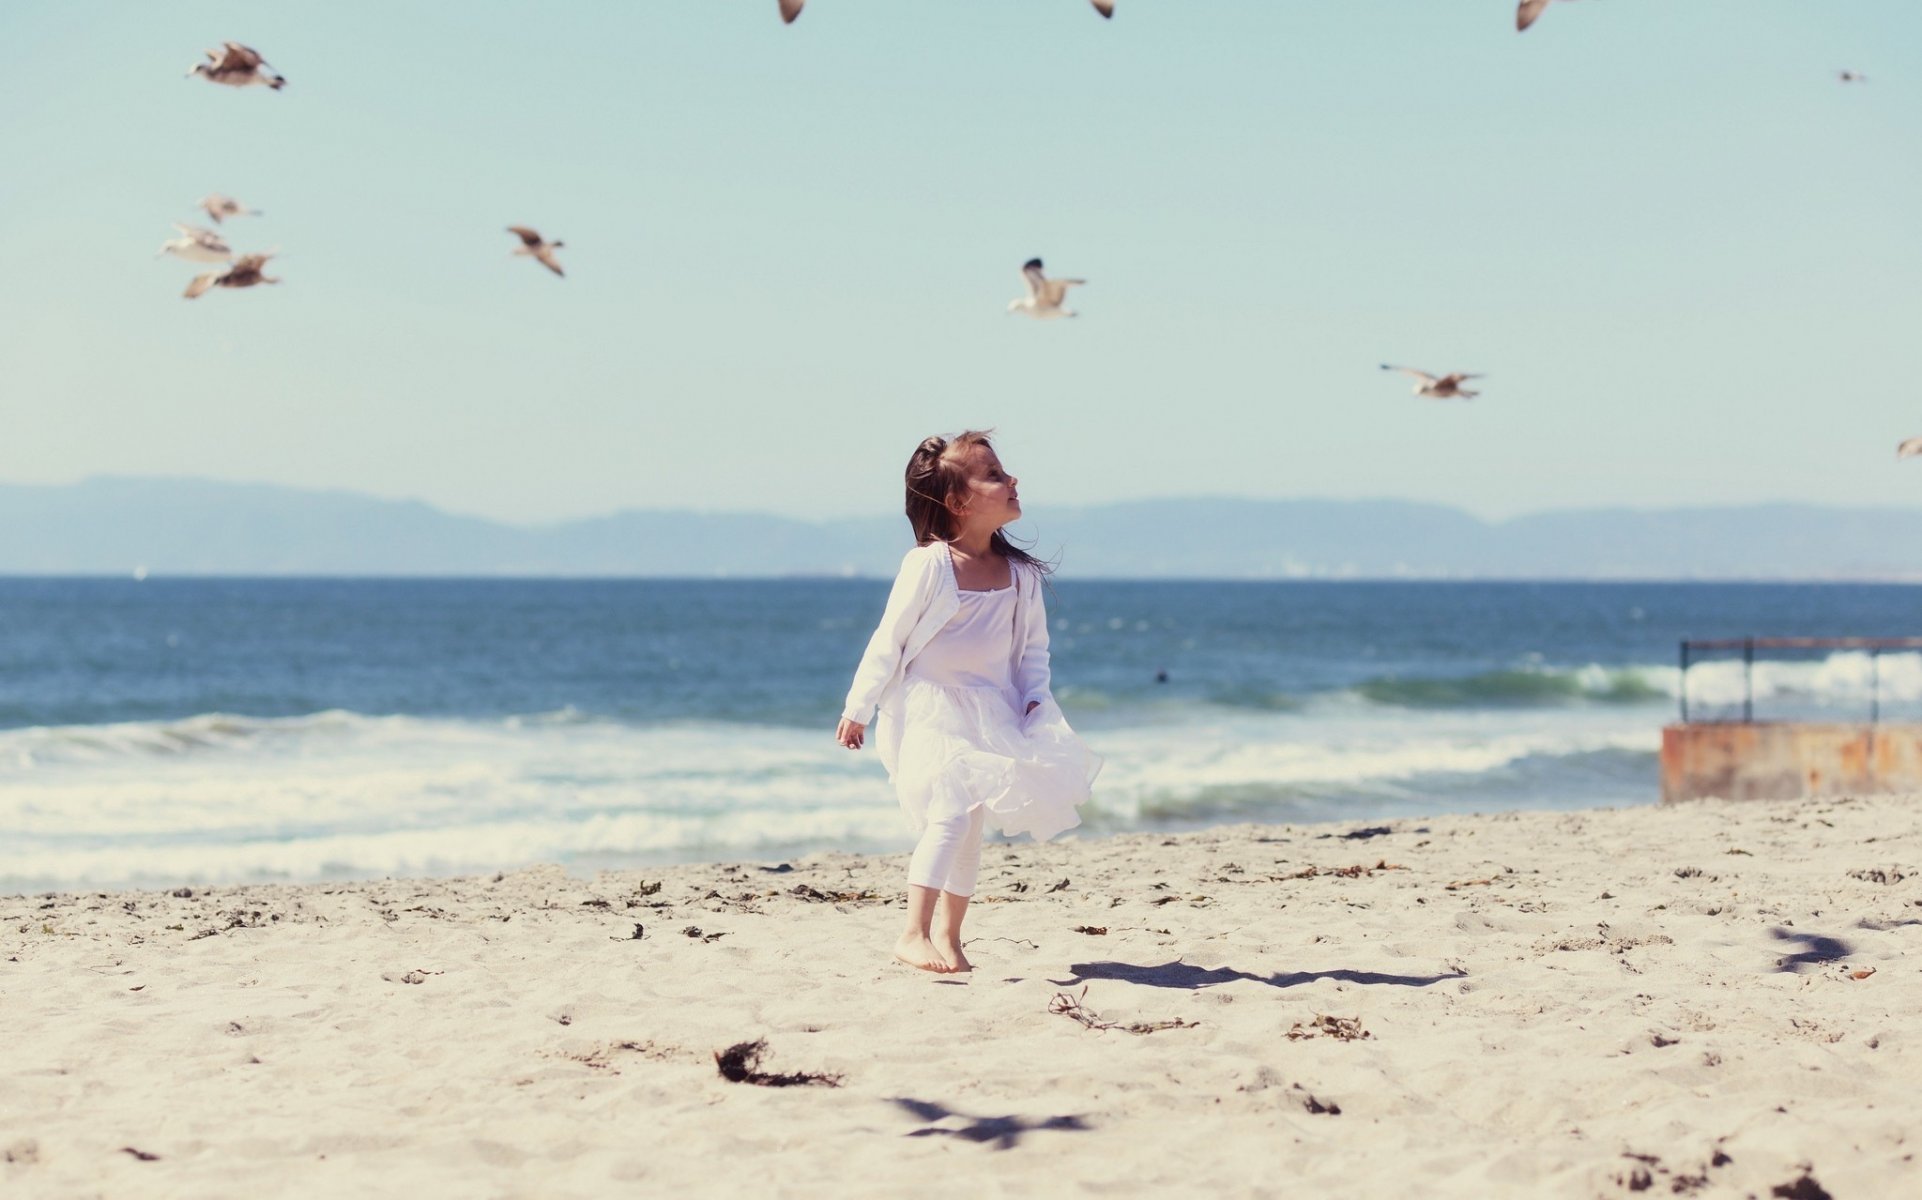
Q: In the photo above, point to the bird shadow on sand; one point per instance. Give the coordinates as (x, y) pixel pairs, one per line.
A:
(1188, 977)
(1817, 950)
(1003, 1133)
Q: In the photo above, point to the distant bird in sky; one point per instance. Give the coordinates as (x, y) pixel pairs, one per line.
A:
(1043, 301)
(221, 207)
(533, 246)
(1910, 448)
(1851, 77)
(791, 9)
(197, 245)
(238, 66)
(246, 272)
(1526, 13)
(1438, 387)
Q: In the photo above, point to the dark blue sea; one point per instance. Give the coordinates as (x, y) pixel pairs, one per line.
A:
(179, 730)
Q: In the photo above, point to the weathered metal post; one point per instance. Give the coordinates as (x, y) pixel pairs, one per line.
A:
(1684, 687)
(1748, 680)
(1875, 685)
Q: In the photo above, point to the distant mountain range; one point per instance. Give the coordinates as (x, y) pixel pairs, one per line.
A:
(199, 527)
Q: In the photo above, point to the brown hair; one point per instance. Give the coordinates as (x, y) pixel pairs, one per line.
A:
(936, 480)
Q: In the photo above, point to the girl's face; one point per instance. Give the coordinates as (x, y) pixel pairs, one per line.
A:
(990, 500)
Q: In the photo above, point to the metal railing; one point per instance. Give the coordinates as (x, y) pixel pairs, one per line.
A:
(1748, 647)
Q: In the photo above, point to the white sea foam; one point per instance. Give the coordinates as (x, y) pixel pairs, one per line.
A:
(221, 798)
(352, 795)
(1842, 679)
(1357, 753)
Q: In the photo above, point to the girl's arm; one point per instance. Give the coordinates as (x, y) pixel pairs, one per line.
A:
(1035, 677)
(906, 602)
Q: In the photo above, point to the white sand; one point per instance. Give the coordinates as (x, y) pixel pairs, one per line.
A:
(1556, 1005)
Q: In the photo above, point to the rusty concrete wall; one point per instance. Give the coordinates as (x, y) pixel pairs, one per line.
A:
(1782, 760)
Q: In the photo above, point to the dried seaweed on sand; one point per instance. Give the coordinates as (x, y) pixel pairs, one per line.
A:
(1067, 1005)
(816, 895)
(1342, 1029)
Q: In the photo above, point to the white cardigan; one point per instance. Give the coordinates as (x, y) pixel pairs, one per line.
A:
(924, 597)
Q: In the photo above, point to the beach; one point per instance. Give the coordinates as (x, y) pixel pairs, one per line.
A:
(1710, 998)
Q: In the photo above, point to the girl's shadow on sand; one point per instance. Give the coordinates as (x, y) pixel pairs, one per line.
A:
(1178, 974)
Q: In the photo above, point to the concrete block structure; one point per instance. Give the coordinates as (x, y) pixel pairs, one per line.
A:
(1779, 760)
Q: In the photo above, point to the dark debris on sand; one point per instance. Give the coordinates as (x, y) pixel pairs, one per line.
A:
(741, 1063)
(1804, 1188)
(1650, 1173)
(1316, 1105)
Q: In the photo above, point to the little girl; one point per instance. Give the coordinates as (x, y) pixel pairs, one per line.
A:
(958, 669)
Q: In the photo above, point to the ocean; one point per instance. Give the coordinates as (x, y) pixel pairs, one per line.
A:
(166, 731)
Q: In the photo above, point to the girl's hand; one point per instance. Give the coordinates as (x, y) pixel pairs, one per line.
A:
(849, 733)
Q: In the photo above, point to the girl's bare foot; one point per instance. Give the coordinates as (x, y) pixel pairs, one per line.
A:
(952, 955)
(918, 952)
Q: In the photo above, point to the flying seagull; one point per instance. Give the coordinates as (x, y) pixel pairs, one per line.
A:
(244, 273)
(197, 245)
(1526, 13)
(1910, 448)
(1851, 77)
(1043, 301)
(1438, 387)
(791, 9)
(534, 247)
(238, 66)
(221, 207)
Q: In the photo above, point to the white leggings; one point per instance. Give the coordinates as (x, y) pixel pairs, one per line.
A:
(949, 853)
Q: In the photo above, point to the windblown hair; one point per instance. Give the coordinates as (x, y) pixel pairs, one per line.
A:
(937, 481)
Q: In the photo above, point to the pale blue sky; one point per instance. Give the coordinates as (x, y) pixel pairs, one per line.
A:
(1689, 259)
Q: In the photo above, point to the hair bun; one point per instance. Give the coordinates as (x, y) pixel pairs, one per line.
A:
(932, 445)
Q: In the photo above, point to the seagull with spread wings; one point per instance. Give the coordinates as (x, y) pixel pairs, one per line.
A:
(221, 207)
(1851, 76)
(238, 66)
(534, 246)
(1438, 387)
(247, 271)
(196, 244)
(1045, 296)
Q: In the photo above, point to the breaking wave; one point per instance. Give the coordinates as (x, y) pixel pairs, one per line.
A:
(1525, 686)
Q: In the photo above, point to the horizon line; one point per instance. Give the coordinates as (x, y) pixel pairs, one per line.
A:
(1201, 497)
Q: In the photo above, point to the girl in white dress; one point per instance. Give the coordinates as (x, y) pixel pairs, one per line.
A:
(957, 671)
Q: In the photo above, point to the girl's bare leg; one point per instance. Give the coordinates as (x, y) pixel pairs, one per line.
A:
(947, 933)
(915, 947)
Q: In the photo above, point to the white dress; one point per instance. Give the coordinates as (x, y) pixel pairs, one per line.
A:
(965, 741)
